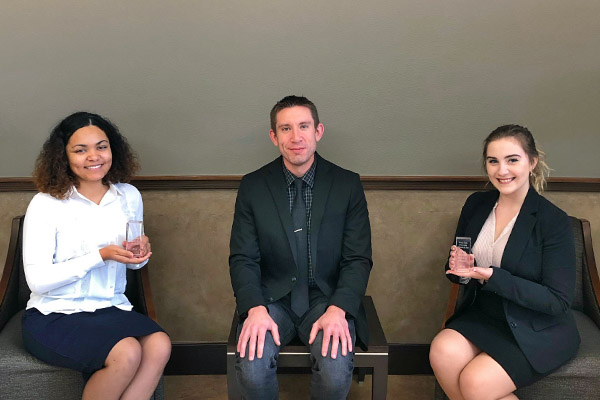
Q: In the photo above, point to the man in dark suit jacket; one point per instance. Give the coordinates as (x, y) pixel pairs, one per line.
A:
(300, 258)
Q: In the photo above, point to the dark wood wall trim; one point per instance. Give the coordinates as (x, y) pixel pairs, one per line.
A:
(369, 183)
(16, 185)
(198, 358)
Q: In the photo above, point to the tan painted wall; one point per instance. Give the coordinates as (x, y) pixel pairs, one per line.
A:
(190, 230)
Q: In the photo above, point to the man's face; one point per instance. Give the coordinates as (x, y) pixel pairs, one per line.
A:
(296, 137)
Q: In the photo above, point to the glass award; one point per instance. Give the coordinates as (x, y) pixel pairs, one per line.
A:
(133, 237)
(462, 262)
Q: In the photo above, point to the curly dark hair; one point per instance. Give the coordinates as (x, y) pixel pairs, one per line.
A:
(52, 173)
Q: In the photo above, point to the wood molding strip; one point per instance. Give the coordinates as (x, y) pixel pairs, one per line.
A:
(217, 182)
(16, 185)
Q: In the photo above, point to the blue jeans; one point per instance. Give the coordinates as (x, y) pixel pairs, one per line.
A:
(331, 378)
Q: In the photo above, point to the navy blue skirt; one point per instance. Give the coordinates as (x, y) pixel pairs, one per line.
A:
(484, 324)
(82, 340)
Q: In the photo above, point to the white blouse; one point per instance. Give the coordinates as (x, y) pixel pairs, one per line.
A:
(61, 250)
(488, 252)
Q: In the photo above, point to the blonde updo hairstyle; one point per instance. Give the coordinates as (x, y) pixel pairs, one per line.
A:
(538, 175)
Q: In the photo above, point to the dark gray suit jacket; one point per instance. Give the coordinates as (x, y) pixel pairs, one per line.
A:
(263, 249)
(537, 278)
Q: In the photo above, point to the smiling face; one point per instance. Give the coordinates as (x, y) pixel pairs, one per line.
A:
(296, 137)
(88, 151)
(508, 167)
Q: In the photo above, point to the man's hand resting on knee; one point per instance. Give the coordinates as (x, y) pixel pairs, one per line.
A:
(335, 328)
(254, 330)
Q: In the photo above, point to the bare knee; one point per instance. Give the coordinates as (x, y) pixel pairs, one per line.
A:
(157, 348)
(125, 356)
(484, 378)
(443, 350)
(473, 384)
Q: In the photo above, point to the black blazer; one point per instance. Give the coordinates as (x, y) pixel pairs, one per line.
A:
(536, 280)
(263, 248)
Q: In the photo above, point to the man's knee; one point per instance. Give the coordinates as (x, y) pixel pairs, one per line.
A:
(334, 375)
(254, 372)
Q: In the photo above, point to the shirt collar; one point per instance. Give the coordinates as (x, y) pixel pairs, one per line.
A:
(112, 193)
(309, 176)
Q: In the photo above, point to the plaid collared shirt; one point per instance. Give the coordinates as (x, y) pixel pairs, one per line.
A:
(307, 187)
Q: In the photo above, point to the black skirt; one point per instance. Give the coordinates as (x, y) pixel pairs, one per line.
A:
(484, 324)
(82, 340)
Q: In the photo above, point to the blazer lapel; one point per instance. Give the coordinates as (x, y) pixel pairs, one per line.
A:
(521, 231)
(277, 185)
(323, 181)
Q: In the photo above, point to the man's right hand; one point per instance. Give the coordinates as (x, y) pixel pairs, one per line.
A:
(254, 330)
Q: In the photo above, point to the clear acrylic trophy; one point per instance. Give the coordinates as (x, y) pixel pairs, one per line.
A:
(133, 237)
(462, 261)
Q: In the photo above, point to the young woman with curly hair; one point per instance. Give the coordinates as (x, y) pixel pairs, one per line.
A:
(78, 316)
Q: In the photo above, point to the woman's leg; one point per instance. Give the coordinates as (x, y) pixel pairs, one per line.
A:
(449, 354)
(155, 352)
(119, 369)
(483, 378)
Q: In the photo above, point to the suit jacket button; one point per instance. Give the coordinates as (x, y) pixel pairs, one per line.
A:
(270, 299)
(293, 279)
(513, 324)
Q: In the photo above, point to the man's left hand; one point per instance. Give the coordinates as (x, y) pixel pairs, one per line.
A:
(335, 329)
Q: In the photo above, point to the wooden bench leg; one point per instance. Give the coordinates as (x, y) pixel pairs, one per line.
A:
(380, 378)
(360, 374)
(233, 392)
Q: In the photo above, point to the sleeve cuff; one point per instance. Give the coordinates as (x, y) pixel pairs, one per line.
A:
(91, 261)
